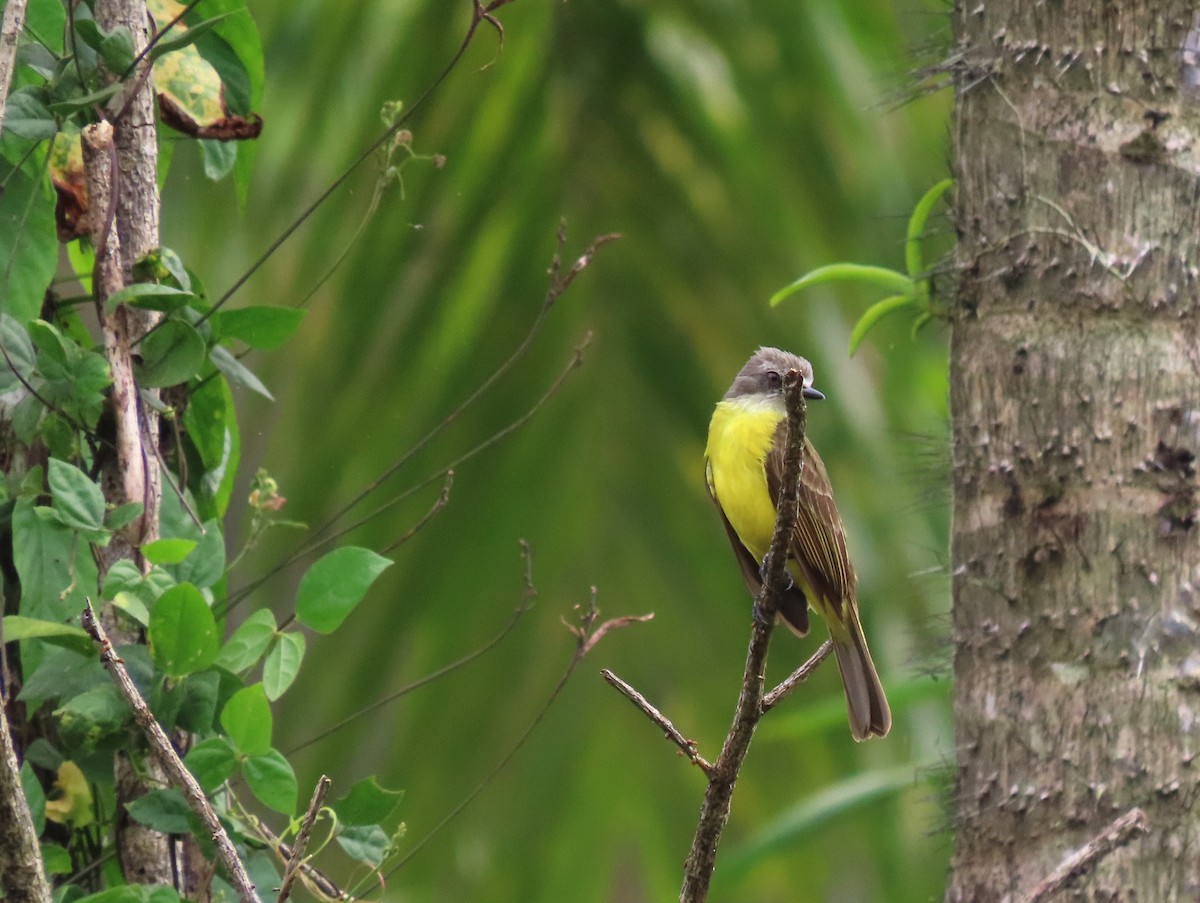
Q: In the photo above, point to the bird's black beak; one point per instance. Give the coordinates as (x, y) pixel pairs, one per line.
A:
(810, 392)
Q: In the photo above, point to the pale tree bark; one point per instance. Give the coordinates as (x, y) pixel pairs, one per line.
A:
(121, 165)
(1075, 396)
(22, 877)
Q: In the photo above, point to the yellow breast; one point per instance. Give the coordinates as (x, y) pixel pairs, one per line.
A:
(739, 438)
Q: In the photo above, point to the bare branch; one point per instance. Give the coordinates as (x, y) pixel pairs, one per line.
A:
(302, 836)
(21, 874)
(723, 775)
(797, 677)
(1130, 825)
(687, 747)
(161, 746)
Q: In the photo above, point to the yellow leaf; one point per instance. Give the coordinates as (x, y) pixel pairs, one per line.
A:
(71, 802)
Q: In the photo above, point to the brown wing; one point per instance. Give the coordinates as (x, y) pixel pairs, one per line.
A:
(793, 606)
(819, 540)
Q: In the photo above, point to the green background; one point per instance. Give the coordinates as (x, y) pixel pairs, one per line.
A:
(734, 145)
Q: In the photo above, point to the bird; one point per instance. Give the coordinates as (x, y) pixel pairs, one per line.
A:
(744, 471)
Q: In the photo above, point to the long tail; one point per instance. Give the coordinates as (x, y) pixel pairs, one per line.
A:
(869, 712)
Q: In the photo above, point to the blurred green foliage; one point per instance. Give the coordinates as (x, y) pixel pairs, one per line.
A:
(735, 146)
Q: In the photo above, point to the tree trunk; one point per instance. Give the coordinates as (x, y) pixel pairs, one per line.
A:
(146, 856)
(1075, 396)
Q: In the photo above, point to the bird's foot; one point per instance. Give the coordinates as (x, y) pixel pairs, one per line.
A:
(765, 568)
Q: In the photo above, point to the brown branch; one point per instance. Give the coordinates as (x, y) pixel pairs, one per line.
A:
(687, 747)
(722, 777)
(316, 880)
(161, 746)
(302, 836)
(10, 33)
(1083, 860)
(797, 677)
(21, 874)
(137, 482)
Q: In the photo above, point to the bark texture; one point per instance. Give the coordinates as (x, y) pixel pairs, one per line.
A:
(1075, 395)
(122, 166)
(22, 878)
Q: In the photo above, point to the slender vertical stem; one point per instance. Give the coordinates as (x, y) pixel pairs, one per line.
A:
(714, 814)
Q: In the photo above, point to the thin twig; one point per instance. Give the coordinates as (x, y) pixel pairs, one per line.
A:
(160, 744)
(797, 677)
(686, 746)
(302, 836)
(478, 16)
(441, 502)
(558, 286)
(575, 361)
(714, 814)
(1083, 860)
(583, 635)
(325, 887)
(416, 684)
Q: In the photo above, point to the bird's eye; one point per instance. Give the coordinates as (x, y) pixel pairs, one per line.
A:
(774, 380)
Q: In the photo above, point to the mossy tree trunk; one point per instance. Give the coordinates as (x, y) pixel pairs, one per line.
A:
(1075, 374)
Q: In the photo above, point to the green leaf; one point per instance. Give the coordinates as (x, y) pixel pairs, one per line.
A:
(163, 810)
(59, 674)
(365, 843)
(283, 663)
(913, 261)
(248, 643)
(131, 893)
(183, 632)
(35, 797)
(28, 238)
(122, 515)
(247, 720)
(272, 781)
(28, 116)
(367, 803)
(237, 372)
(180, 38)
(259, 327)
(877, 312)
(78, 500)
(56, 859)
(198, 707)
(919, 324)
(48, 565)
(848, 272)
(18, 354)
(93, 715)
(168, 551)
(18, 627)
(46, 21)
(171, 354)
(205, 566)
(75, 379)
(134, 607)
(207, 421)
(211, 762)
(79, 102)
(335, 584)
(218, 157)
(150, 296)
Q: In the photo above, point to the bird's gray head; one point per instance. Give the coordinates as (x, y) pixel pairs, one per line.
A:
(762, 377)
